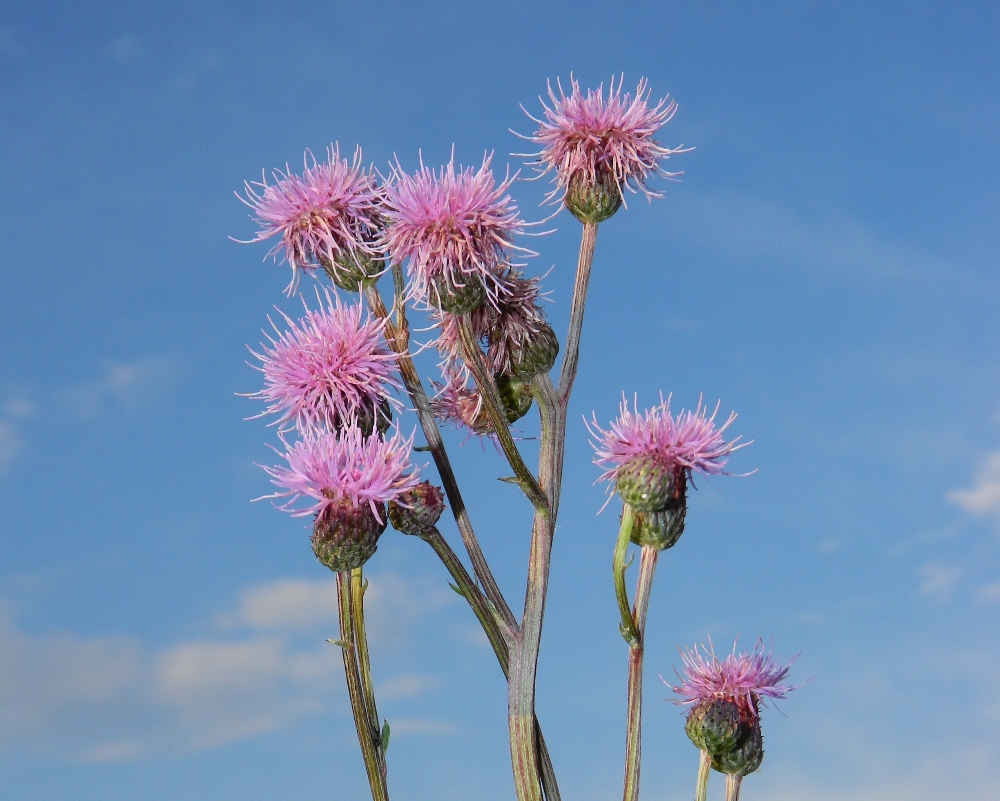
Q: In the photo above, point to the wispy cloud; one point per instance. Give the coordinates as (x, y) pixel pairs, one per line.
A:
(752, 230)
(984, 496)
(126, 49)
(107, 699)
(122, 384)
(990, 594)
(11, 445)
(938, 581)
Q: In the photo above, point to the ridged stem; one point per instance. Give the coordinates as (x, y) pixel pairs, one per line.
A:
(733, 782)
(487, 619)
(376, 778)
(701, 787)
(636, 651)
(358, 587)
(398, 338)
(567, 375)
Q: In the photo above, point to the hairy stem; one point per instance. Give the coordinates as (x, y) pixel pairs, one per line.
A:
(491, 626)
(358, 587)
(633, 739)
(369, 752)
(571, 359)
(398, 339)
(733, 782)
(701, 787)
(474, 361)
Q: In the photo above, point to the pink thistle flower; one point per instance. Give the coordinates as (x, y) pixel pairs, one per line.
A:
(330, 212)
(690, 440)
(746, 679)
(506, 328)
(590, 135)
(325, 469)
(453, 226)
(326, 367)
(458, 402)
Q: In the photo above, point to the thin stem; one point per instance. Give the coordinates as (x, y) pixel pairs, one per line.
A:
(376, 779)
(552, 407)
(733, 782)
(475, 362)
(492, 627)
(628, 627)
(358, 587)
(398, 339)
(571, 359)
(701, 787)
(633, 739)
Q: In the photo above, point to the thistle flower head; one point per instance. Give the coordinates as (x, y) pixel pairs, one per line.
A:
(690, 440)
(455, 226)
(590, 137)
(458, 402)
(507, 327)
(327, 367)
(746, 679)
(328, 214)
(325, 470)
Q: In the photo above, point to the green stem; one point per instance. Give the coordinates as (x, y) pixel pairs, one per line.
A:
(398, 339)
(475, 362)
(733, 782)
(358, 587)
(492, 627)
(633, 740)
(376, 778)
(567, 375)
(701, 788)
(628, 625)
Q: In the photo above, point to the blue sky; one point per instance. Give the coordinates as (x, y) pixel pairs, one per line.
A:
(827, 267)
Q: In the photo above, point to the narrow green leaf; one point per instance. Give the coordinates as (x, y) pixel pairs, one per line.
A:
(384, 741)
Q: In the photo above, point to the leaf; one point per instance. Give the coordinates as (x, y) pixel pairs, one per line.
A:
(457, 589)
(341, 643)
(384, 739)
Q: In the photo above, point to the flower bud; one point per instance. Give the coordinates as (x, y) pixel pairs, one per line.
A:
(538, 355)
(367, 416)
(646, 484)
(345, 536)
(423, 507)
(515, 397)
(352, 270)
(593, 201)
(746, 757)
(662, 529)
(458, 299)
(715, 725)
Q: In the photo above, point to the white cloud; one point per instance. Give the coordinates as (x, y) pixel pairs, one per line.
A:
(127, 384)
(107, 699)
(990, 594)
(938, 581)
(984, 497)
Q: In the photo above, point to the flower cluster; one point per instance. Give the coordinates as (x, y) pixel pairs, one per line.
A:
(329, 216)
(593, 140)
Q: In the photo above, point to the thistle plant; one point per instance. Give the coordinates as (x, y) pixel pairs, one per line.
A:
(339, 381)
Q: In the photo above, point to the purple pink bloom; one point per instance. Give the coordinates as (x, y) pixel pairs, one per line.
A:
(326, 366)
(746, 678)
(595, 135)
(324, 469)
(451, 225)
(690, 440)
(505, 327)
(458, 401)
(332, 210)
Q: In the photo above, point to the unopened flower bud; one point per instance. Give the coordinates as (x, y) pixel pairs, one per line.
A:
(538, 354)
(417, 510)
(352, 270)
(746, 757)
(662, 529)
(593, 201)
(453, 299)
(345, 536)
(715, 725)
(515, 397)
(646, 484)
